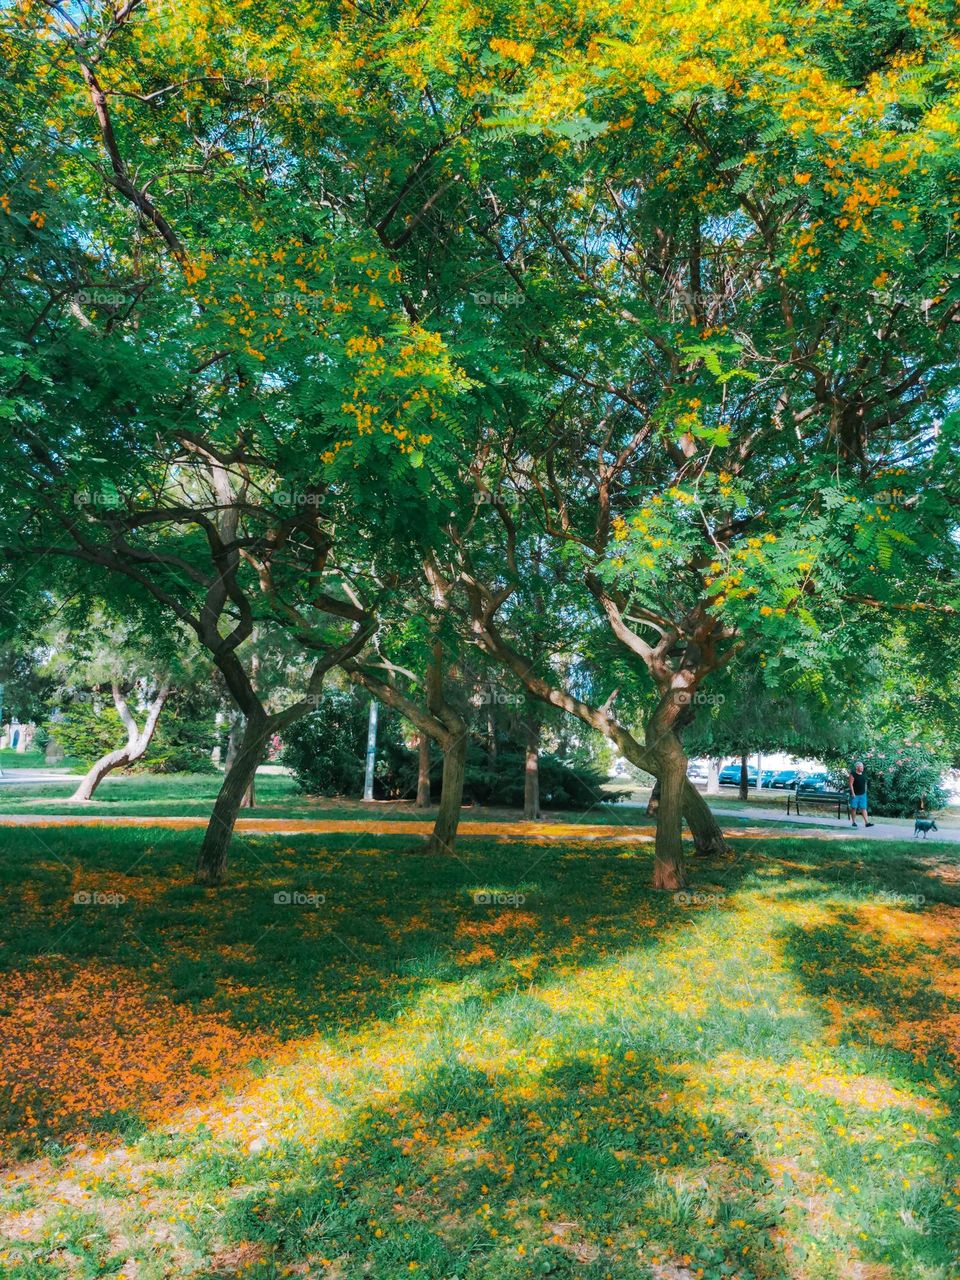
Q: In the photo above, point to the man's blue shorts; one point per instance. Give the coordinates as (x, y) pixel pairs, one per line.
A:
(859, 802)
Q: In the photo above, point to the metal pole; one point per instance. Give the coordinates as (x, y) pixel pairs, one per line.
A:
(371, 751)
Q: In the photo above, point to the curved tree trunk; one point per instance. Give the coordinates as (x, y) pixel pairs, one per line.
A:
(212, 857)
(708, 838)
(423, 772)
(653, 804)
(137, 741)
(531, 772)
(451, 797)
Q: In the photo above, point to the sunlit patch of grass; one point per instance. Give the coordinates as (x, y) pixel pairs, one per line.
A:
(571, 1076)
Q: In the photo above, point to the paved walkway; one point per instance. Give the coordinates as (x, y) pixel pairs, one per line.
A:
(769, 825)
(880, 831)
(17, 777)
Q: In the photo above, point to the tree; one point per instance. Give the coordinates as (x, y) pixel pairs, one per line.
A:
(220, 463)
(691, 264)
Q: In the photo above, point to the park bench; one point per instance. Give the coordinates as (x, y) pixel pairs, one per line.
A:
(811, 797)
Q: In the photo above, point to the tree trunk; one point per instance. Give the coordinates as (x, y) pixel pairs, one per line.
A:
(212, 857)
(653, 804)
(531, 773)
(423, 772)
(137, 742)
(668, 868)
(451, 795)
(709, 840)
(744, 779)
(249, 800)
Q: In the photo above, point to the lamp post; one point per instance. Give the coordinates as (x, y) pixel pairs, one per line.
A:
(371, 751)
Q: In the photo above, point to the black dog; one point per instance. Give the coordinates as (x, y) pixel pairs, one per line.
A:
(924, 825)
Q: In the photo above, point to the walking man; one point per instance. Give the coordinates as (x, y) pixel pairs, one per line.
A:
(858, 794)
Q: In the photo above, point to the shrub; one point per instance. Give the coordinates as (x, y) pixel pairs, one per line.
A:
(899, 775)
(182, 742)
(185, 736)
(87, 732)
(326, 751)
(499, 780)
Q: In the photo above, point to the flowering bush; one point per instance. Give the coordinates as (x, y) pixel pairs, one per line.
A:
(900, 775)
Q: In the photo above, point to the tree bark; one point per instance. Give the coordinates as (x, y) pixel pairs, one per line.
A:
(137, 741)
(531, 772)
(744, 779)
(423, 772)
(451, 796)
(708, 838)
(649, 757)
(212, 857)
(653, 804)
(668, 868)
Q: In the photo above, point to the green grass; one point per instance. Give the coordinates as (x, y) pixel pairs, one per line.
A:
(192, 795)
(399, 1079)
(27, 760)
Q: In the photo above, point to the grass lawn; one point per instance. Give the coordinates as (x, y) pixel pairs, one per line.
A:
(25, 760)
(572, 1078)
(186, 795)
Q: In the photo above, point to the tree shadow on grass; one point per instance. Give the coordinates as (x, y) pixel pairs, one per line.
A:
(597, 1168)
(880, 955)
(433, 1095)
(131, 993)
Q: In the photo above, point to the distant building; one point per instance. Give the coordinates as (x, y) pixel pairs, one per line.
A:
(17, 737)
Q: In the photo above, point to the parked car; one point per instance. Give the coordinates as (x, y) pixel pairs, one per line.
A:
(767, 777)
(697, 772)
(786, 779)
(816, 782)
(730, 775)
